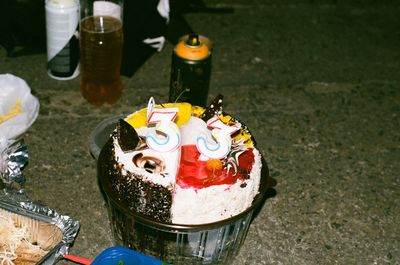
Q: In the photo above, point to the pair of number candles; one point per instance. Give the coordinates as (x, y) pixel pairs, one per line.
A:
(167, 136)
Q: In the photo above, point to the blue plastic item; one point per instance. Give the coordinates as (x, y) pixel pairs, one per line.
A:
(123, 256)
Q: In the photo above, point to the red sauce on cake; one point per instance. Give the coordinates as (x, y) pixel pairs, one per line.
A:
(197, 174)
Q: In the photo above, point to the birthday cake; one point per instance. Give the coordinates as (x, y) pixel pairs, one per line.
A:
(183, 164)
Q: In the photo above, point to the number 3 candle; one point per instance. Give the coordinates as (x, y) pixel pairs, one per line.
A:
(222, 134)
(167, 136)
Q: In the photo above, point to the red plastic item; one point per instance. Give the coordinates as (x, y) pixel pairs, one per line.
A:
(77, 259)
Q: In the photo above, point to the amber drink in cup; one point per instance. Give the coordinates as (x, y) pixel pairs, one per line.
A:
(101, 40)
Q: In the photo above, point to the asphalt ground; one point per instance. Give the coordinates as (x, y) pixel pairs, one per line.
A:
(317, 83)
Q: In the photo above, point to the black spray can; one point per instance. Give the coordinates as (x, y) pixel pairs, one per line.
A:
(190, 70)
(62, 20)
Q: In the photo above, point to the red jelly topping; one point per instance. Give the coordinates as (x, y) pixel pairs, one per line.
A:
(197, 174)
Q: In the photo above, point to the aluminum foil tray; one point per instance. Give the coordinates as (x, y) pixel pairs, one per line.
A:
(53, 232)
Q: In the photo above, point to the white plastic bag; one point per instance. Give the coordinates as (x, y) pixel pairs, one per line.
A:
(12, 89)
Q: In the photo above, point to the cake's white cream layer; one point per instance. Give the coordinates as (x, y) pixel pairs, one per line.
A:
(191, 130)
(171, 161)
(215, 203)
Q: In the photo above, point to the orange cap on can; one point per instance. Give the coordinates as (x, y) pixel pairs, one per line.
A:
(192, 48)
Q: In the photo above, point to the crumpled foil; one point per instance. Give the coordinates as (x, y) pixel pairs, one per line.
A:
(13, 159)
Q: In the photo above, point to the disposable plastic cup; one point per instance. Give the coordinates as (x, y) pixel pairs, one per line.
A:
(100, 41)
(212, 243)
(101, 134)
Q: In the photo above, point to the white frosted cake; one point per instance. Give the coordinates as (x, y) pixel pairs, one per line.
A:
(184, 164)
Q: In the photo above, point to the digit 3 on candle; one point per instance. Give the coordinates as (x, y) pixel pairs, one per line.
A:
(166, 137)
(222, 134)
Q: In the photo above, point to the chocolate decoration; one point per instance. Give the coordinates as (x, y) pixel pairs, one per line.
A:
(149, 163)
(127, 136)
(213, 109)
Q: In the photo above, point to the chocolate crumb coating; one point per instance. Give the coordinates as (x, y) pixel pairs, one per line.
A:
(143, 196)
(127, 136)
(157, 200)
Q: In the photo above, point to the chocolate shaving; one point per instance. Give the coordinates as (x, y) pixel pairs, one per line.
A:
(127, 136)
(215, 108)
